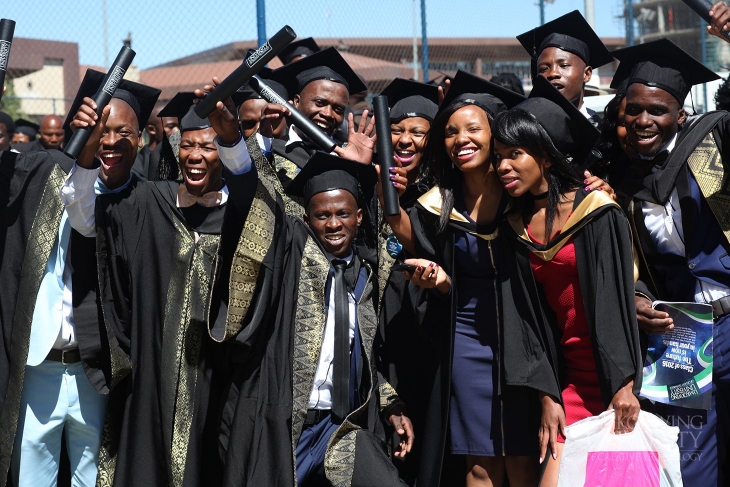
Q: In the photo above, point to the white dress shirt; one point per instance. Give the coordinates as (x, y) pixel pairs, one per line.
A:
(664, 224)
(321, 395)
(79, 197)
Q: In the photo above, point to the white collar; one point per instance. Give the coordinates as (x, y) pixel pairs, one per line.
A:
(293, 136)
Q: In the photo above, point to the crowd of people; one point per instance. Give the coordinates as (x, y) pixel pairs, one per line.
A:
(230, 305)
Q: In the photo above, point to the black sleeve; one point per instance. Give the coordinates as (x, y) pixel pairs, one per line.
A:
(606, 272)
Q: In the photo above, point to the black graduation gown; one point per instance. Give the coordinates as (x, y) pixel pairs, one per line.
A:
(32, 146)
(405, 349)
(32, 210)
(155, 283)
(269, 302)
(602, 240)
(436, 466)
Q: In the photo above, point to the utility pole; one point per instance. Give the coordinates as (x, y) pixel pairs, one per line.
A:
(542, 12)
(590, 13)
(630, 22)
(424, 41)
(415, 41)
(106, 36)
(261, 21)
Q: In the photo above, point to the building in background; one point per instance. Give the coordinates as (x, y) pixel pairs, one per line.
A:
(675, 20)
(44, 74)
(377, 59)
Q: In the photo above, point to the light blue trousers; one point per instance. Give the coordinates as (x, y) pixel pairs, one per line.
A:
(57, 398)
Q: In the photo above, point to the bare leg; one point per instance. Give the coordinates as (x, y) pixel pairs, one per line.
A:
(522, 471)
(550, 478)
(484, 471)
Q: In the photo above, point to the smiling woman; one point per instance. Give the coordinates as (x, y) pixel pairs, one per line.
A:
(455, 225)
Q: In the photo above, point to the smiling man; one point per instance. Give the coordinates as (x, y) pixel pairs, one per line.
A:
(321, 84)
(566, 51)
(297, 302)
(156, 245)
(678, 205)
(61, 366)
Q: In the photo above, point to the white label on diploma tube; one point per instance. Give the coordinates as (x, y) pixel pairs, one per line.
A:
(115, 77)
(256, 55)
(4, 54)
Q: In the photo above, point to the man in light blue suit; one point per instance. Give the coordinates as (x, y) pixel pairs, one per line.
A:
(60, 368)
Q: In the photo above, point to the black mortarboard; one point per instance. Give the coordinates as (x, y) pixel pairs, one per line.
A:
(141, 98)
(663, 64)
(570, 33)
(264, 72)
(303, 47)
(327, 64)
(326, 172)
(27, 127)
(408, 98)
(485, 94)
(570, 131)
(7, 120)
(509, 81)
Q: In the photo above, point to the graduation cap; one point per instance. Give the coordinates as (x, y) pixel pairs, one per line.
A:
(327, 64)
(303, 47)
(478, 91)
(326, 172)
(141, 98)
(663, 64)
(408, 98)
(509, 81)
(7, 120)
(570, 131)
(181, 107)
(570, 33)
(26, 127)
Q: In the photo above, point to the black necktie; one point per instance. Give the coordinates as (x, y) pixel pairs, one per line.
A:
(341, 363)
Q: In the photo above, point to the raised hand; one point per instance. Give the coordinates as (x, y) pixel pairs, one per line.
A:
(87, 117)
(224, 119)
(719, 19)
(360, 142)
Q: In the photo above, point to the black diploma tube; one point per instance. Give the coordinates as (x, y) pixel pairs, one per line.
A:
(306, 126)
(385, 154)
(242, 74)
(102, 97)
(702, 8)
(7, 28)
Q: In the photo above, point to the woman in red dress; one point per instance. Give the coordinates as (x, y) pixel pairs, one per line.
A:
(572, 247)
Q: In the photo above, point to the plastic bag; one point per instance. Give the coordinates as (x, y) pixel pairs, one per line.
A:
(594, 456)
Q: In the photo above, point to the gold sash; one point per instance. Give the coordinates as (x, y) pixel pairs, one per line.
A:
(706, 165)
(431, 202)
(577, 220)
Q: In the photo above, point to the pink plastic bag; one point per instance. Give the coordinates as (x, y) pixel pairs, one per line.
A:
(594, 456)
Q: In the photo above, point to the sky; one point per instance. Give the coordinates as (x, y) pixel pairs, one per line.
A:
(183, 27)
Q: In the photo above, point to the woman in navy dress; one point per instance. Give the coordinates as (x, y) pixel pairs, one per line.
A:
(453, 229)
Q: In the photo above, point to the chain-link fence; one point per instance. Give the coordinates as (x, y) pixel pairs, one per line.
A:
(181, 45)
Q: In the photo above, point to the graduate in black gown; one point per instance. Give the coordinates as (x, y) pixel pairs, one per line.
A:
(306, 405)
(570, 329)
(156, 246)
(565, 51)
(34, 222)
(476, 433)
(675, 195)
(406, 349)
